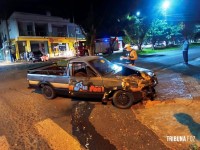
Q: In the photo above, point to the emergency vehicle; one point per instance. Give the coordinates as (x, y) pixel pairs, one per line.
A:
(81, 48)
(107, 45)
(102, 45)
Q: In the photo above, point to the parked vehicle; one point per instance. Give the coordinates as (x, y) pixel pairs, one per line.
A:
(160, 45)
(37, 56)
(95, 77)
(81, 48)
(147, 45)
(134, 46)
(106, 45)
(102, 45)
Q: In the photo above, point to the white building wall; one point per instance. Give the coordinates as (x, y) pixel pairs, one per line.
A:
(13, 29)
(50, 28)
(3, 29)
(36, 18)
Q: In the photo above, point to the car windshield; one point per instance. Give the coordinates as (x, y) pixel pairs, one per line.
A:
(103, 66)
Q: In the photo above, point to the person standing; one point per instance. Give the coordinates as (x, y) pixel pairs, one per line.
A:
(185, 50)
(13, 55)
(26, 56)
(130, 56)
(30, 54)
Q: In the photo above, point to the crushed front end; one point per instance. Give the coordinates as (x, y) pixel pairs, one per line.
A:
(144, 86)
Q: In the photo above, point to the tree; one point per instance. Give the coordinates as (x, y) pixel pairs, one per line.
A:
(161, 30)
(191, 30)
(98, 24)
(135, 29)
(156, 30)
(89, 31)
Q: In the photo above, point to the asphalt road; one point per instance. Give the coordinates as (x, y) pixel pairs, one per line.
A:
(163, 60)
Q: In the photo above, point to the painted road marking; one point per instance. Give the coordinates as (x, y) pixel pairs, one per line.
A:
(56, 137)
(4, 143)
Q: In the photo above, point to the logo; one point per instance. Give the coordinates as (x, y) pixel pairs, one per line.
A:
(96, 88)
(80, 87)
(180, 138)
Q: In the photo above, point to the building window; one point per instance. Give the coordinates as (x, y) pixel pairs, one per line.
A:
(41, 29)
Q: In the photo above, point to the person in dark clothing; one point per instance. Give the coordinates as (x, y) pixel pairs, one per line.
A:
(13, 55)
(130, 56)
(185, 50)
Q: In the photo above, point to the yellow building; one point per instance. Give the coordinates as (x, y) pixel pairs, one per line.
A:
(54, 46)
(51, 35)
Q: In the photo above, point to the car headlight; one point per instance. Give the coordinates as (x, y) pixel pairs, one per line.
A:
(151, 74)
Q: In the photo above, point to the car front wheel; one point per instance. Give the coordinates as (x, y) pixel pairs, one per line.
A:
(123, 99)
(48, 92)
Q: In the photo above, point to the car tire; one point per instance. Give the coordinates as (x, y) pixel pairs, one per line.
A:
(123, 99)
(153, 94)
(48, 92)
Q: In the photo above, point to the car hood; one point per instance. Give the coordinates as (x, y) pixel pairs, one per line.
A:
(130, 78)
(140, 69)
(132, 82)
(126, 70)
(133, 74)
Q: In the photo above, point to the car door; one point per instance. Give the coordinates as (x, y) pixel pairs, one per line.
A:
(84, 81)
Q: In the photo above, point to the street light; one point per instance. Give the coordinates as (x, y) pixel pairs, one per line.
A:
(138, 13)
(166, 5)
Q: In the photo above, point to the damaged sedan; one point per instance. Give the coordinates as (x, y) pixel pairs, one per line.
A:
(95, 77)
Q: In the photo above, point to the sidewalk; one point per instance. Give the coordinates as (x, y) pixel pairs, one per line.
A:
(176, 122)
(175, 117)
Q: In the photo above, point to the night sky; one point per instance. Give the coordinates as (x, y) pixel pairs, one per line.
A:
(79, 9)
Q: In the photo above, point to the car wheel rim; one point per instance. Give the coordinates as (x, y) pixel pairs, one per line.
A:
(123, 99)
(48, 92)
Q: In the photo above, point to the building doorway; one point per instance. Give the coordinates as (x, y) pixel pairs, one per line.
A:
(22, 49)
(39, 46)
